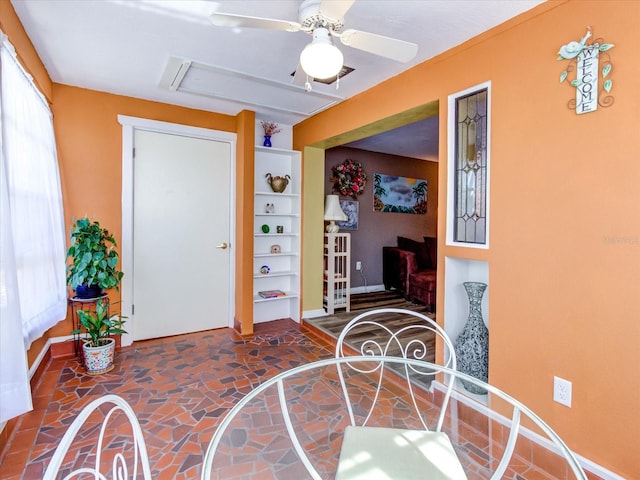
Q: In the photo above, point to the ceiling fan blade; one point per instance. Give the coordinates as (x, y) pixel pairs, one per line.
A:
(231, 20)
(335, 9)
(379, 45)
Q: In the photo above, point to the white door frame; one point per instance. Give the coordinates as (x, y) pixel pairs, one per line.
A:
(129, 126)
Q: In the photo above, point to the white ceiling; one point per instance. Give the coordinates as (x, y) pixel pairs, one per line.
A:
(124, 47)
(416, 140)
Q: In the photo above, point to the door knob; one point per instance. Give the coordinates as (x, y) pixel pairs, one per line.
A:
(223, 245)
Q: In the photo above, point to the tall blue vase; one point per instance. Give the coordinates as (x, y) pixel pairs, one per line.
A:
(267, 141)
(472, 346)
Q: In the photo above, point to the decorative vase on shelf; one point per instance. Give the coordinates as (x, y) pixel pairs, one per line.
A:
(277, 183)
(472, 346)
(267, 141)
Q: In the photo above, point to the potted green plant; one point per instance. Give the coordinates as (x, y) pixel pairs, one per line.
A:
(94, 259)
(98, 326)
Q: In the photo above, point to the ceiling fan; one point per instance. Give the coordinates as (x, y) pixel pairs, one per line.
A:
(323, 19)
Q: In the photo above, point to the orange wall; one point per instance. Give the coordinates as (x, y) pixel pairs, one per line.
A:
(244, 223)
(565, 235)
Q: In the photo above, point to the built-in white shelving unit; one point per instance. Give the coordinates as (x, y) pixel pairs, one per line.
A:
(336, 275)
(276, 256)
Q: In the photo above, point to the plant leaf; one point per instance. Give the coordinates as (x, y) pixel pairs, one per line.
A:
(563, 76)
(606, 70)
(576, 83)
(606, 46)
(607, 86)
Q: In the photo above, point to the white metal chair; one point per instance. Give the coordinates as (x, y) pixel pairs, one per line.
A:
(415, 337)
(405, 334)
(293, 426)
(120, 467)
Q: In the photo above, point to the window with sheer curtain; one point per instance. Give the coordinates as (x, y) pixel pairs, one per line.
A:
(32, 268)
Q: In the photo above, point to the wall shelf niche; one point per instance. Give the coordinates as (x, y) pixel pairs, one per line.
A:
(276, 240)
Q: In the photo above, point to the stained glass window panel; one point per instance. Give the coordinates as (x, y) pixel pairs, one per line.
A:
(471, 168)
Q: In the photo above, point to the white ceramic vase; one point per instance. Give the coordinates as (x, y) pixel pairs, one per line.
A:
(99, 360)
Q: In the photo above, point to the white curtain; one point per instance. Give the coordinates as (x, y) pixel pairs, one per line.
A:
(33, 289)
(15, 394)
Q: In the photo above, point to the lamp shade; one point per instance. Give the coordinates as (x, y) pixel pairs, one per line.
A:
(321, 58)
(333, 212)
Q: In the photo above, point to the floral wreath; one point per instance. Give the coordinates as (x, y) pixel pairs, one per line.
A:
(349, 178)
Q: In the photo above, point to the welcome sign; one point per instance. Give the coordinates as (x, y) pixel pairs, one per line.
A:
(586, 60)
(587, 76)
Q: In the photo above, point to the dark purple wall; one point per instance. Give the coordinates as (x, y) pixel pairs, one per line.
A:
(377, 229)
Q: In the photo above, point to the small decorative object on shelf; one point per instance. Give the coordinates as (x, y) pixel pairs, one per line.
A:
(270, 208)
(280, 229)
(349, 178)
(272, 294)
(269, 128)
(265, 228)
(277, 183)
(472, 346)
(264, 269)
(275, 248)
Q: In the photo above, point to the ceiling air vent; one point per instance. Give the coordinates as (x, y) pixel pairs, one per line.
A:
(328, 81)
(174, 72)
(182, 75)
(343, 73)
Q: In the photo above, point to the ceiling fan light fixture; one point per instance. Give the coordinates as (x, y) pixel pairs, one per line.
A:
(321, 58)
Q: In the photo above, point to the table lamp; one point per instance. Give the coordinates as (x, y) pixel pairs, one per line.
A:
(333, 212)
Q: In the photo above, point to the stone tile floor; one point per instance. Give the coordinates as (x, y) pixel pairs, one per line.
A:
(180, 388)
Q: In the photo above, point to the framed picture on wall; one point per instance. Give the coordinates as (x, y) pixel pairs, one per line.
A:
(350, 208)
(399, 194)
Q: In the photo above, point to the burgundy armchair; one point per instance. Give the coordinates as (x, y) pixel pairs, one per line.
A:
(411, 269)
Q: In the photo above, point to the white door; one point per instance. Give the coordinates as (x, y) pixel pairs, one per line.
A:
(181, 229)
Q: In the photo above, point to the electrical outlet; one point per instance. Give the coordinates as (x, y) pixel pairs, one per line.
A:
(562, 391)
(358, 265)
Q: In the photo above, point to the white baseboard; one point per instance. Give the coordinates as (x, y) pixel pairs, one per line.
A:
(354, 291)
(43, 352)
(596, 469)
(314, 313)
(545, 442)
(367, 289)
